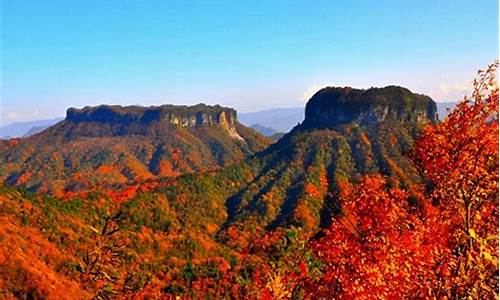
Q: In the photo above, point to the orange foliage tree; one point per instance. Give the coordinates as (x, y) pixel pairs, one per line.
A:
(437, 242)
(382, 245)
(459, 158)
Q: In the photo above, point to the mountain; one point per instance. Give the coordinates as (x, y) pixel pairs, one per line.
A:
(22, 128)
(35, 130)
(284, 119)
(106, 145)
(278, 119)
(267, 122)
(277, 136)
(198, 234)
(267, 131)
(346, 133)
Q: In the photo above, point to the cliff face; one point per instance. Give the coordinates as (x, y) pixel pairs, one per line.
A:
(153, 121)
(333, 106)
(185, 116)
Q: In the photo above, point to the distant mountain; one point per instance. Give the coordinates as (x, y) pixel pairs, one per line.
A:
(277, 136)
(120, 144)
(22, 128)
(278, 119)
(444, 108)
(267, 131)
(35, 130)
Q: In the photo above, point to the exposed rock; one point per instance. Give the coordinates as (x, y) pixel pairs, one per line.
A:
(185, 116)
(333, 106)
(107, 120)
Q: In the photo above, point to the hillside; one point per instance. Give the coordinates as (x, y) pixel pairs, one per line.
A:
(107, 145)
(346, 133)
(249, 230)
(187, 235)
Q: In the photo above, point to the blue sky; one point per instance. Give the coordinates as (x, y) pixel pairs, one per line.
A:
(250, 55)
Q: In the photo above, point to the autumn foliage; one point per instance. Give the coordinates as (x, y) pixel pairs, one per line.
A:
(440, 240)
(459, 158)
(422, 226)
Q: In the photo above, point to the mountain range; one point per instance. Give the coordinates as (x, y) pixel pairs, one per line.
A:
(154, 201)
(346, 133)
(277, 119)
(188, 186)
(20, 129)
(270, 122)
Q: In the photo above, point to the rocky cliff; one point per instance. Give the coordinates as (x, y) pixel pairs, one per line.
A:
(185, 116)
(115, 120)
(333, 106)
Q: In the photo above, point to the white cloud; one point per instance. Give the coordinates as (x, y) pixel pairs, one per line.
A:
(444, 91)
(16, 116)
(311, 90)
(9, 117)
(13, 116)
(453, 91)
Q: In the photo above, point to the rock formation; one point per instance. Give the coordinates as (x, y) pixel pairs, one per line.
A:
(333, 106)
(115, 120)
(185, 116)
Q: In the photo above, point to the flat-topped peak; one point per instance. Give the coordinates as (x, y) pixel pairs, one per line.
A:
(332, 106)
(183, 115)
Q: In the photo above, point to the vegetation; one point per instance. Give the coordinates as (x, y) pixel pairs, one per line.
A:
(107, 147)
(360, 211)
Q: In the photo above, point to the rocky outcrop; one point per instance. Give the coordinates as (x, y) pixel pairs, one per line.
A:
(185, 116)
(333, 106)
(152, 121)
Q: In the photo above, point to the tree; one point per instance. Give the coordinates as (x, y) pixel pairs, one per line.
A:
(435, 241)
(380, 245)
(459, 159)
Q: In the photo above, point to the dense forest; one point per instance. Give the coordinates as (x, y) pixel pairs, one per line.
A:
(380, 202)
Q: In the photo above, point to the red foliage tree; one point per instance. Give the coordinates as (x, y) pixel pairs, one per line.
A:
(441, 243)
(379, 247)
(459, 158)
